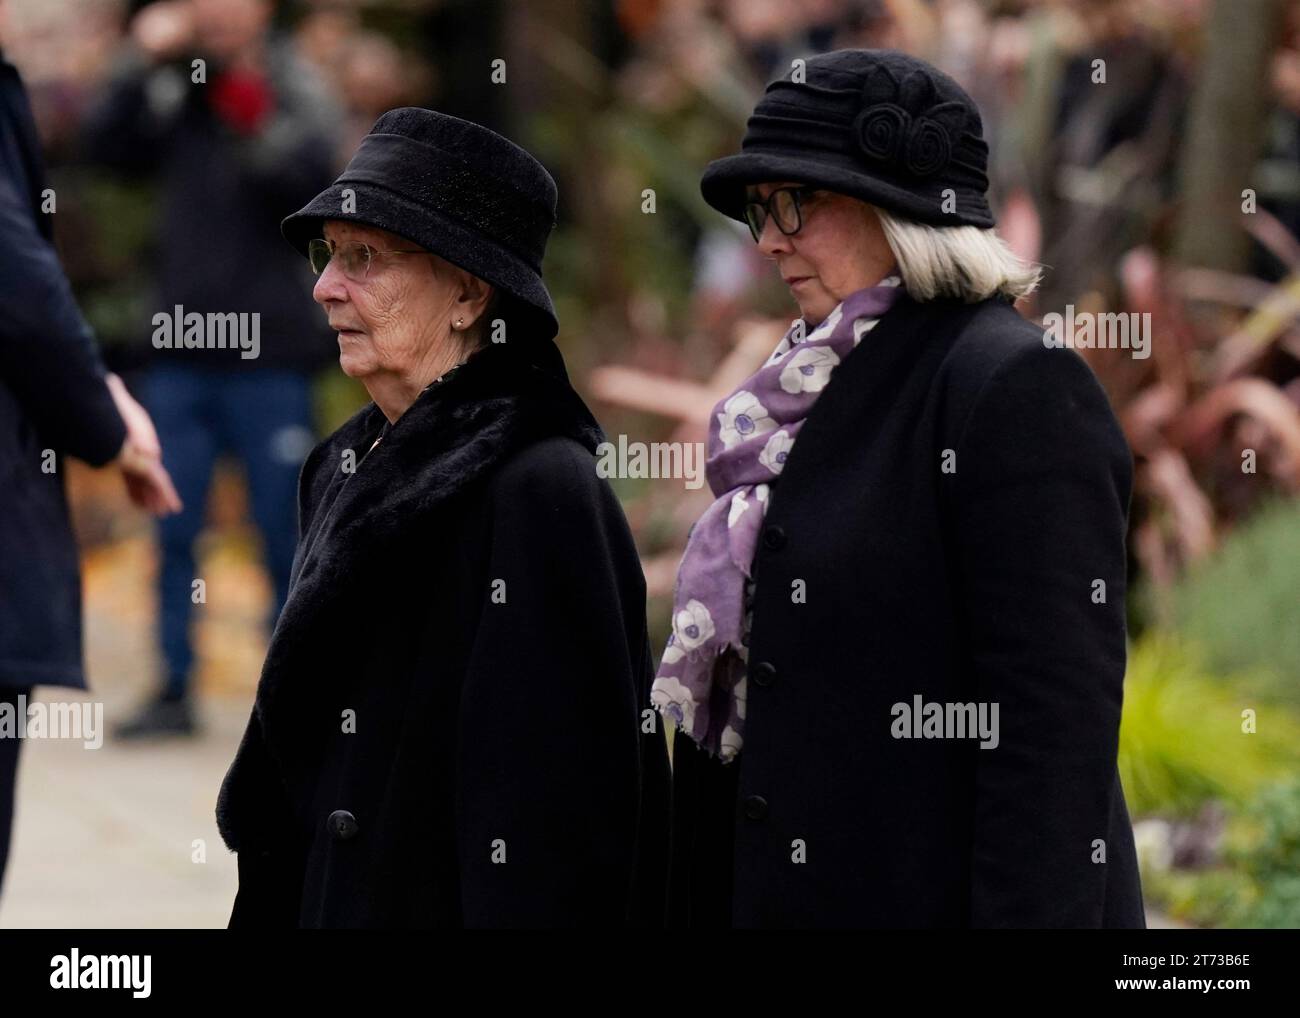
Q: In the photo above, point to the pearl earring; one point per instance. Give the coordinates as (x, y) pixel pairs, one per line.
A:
(460, 323)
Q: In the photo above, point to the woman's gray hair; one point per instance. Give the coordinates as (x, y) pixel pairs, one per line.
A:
(965, 262)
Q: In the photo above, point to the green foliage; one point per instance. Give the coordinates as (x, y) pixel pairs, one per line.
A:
(1208, 897)
(1243, 604)
(107, 253)
(131, 207)
(335, 398)
(1181, 738)
(1264, 846)
(1258, 884)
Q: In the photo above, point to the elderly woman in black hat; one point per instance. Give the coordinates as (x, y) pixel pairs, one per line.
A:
(898, 638)
(448, 730)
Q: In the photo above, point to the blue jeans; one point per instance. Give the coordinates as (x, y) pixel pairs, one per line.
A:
(261, 417)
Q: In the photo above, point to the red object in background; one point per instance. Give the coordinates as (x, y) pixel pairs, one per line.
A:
(242, 100)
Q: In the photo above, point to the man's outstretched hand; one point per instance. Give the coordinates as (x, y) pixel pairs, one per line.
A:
(147, 480)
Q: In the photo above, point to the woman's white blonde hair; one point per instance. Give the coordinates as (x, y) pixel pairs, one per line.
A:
(964, 262)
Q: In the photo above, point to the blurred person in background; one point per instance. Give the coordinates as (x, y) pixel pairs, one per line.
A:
(374, 76)
(233, 152)
(915, 502)
(367, 71)
(56, 400)
(1278, 171)
(1103, 159)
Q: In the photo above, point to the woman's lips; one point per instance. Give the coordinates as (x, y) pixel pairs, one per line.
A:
(796, 280)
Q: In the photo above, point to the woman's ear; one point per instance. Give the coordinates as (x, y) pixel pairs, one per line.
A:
(474, 296)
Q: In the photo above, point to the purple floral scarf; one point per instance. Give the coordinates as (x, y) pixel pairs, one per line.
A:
(701, 680)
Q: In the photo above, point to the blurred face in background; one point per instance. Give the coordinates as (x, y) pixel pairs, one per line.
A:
(839, 248)
(371, 75)
(225, 28)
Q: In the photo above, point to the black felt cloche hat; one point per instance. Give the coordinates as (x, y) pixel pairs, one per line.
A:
(878, 125)
(455, 188)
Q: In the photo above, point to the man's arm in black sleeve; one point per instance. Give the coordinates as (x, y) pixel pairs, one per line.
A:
(48, 357)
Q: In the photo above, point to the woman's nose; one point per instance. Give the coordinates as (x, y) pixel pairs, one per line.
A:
(771, 240)
(329, 285)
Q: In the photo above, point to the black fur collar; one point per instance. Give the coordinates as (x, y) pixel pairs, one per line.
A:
(453, 435)
(454, 432)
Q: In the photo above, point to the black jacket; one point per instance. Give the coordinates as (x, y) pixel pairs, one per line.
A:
(450, 725)
(52, 398)
(966, 585)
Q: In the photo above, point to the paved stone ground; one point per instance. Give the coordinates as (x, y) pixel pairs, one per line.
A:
(105, 837)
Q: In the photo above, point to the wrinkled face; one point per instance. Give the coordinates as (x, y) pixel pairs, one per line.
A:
(390, 322)
(839, 249)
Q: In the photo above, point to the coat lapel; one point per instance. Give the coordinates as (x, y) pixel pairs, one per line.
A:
(896, 354)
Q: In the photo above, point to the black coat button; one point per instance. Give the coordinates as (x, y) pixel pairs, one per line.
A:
(755, 807)
(765, 673)
(342, 824)
(773, 538)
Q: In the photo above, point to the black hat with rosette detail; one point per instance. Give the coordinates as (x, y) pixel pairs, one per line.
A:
(878, 125)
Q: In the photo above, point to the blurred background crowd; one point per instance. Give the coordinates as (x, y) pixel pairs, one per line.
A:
(1147, 152)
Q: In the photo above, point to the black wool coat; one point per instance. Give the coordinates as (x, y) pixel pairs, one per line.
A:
(450, 727)
(53, 403)
(955, 499)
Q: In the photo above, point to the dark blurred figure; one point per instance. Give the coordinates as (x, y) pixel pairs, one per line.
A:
(1112, 155)
(1278, 171)
(234, 153)
(56, 399)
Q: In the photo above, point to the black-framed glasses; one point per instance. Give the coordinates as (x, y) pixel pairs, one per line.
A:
(783, 204)
(354, 257)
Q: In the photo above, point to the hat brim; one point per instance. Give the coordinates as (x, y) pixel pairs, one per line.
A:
(444, 236)
(724, 181)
